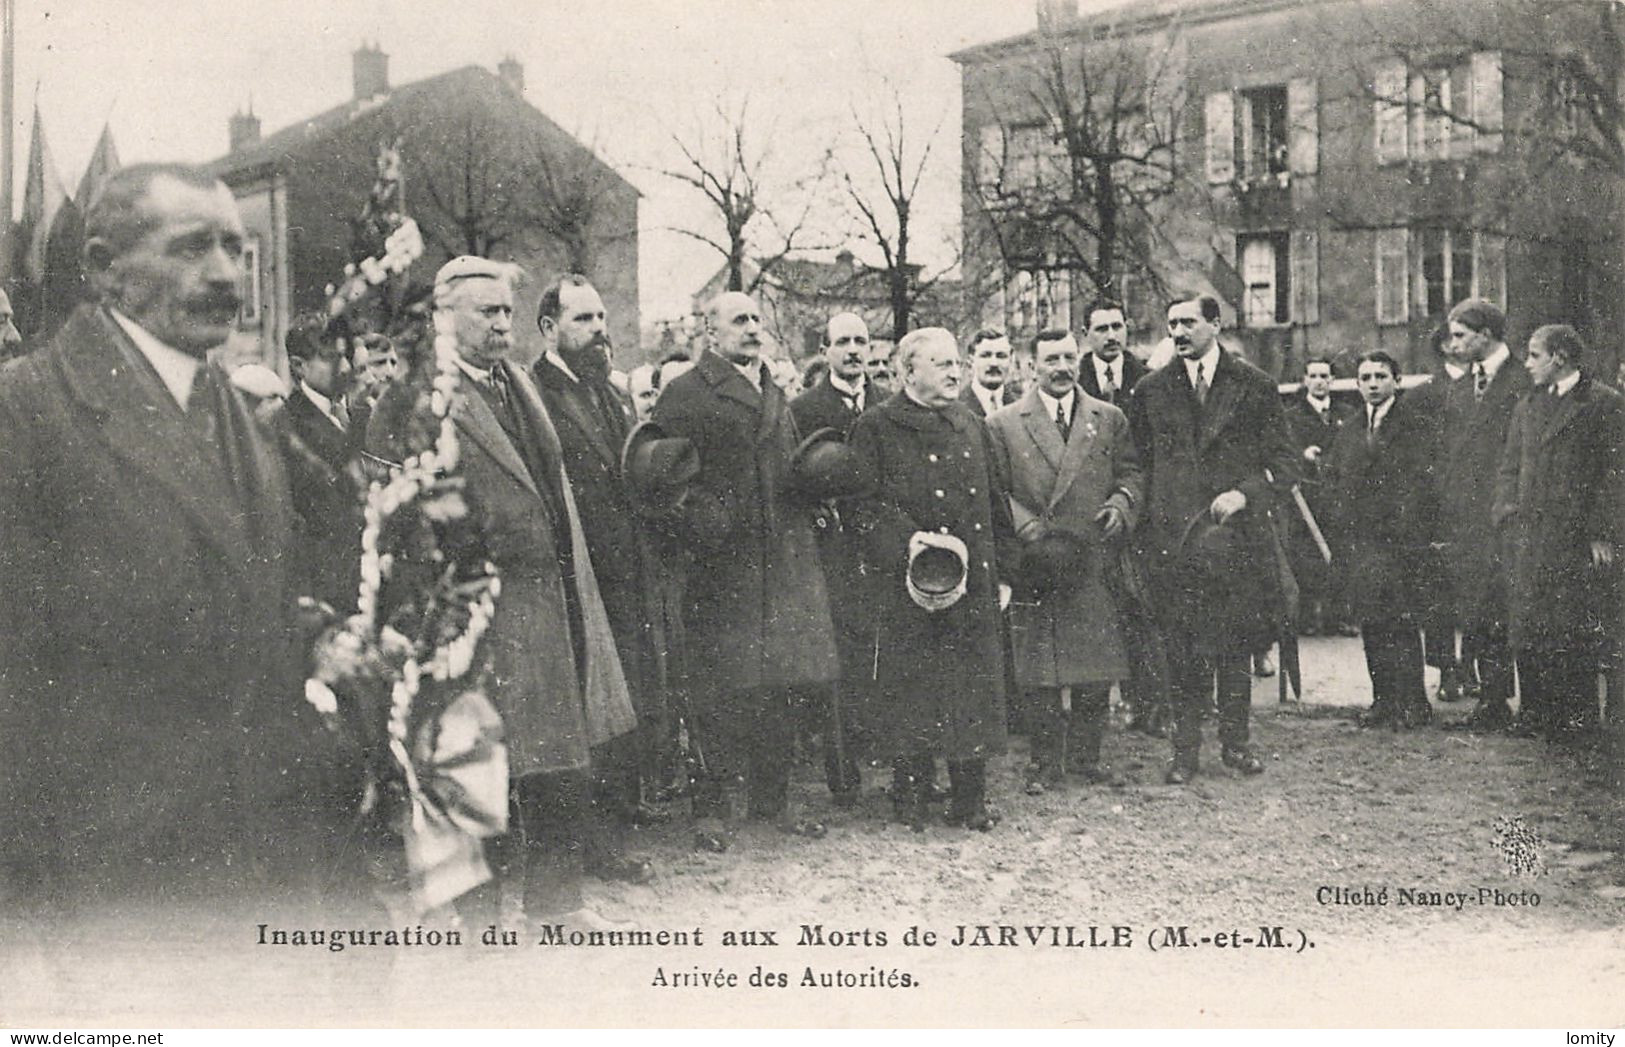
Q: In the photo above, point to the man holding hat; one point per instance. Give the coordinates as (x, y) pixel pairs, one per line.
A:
(755, 617)
(556, 676)
(936, 533)
(1075, 489)
(828, 410)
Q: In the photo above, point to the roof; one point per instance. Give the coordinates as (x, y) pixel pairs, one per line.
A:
(1129, 18)
(298, 139)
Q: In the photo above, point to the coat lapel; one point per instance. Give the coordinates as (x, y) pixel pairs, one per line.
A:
(572, 400)
(146, 429)
(1086, 422)
(1041, 427)
(1566, 410)
(725, 378)
(1221, 399)
(476, 419)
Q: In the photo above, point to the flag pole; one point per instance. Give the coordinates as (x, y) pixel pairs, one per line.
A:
(8, 72)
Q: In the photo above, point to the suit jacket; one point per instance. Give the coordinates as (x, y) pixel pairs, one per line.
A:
(1472, 457)
(555, 676)
(591, 441)
(1378, 520)
(1133, 371)
(967, 396)
(941, 675)
(319, 458)
(153, 734)
(1560, 487)
(1069, 636)
(823, 406)
(1193, 452)
(755, 615)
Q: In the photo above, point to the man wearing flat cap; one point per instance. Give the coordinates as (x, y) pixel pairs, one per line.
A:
(755, 616)
(1214, 443)
(925, 469)
(557, 678)
(1073, 476)
(1479, 408)
(834, 403)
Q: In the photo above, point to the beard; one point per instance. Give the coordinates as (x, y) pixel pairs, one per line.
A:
(590, 362)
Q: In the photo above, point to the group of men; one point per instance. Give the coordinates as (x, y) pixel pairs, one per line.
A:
(905, 560)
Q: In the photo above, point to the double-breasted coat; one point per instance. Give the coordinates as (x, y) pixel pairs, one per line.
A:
(1070, 635)
(1192, 452)
(940, 675)
(755, 612)
(556, 677)
(1132, 371)
(1379, 519)
(1560, 486)
(1477, 562)
(153, 731)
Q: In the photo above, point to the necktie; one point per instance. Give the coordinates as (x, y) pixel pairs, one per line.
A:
(498, 384)
(200, 406)
(1481, 381)
(341, 413)
(1370, 424)
(1201, 383)
(1062, 422)
(1108, 388)
(851, 401)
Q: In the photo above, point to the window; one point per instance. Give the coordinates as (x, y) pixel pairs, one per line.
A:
(1393, 269)
(1038, 299)
(1446, 265)
(1438, 112)
(1266, 278)
(1035, 159)
(248, 314)
(1446, 270)
(1261, 133)
(1432, 118)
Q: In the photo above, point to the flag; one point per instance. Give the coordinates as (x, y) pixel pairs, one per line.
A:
(103, 162)
(43, 196)
(63, 283)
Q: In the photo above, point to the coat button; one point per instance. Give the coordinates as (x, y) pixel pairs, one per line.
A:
(931, 457)
(943, 530)
(939, 493)
(973, 490)
(977, 527)
(967, 454)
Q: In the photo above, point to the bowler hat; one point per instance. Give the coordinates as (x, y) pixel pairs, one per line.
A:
(937, 570)
(1213, 552)
(822, 465)
(1055, 561)
(657, 468)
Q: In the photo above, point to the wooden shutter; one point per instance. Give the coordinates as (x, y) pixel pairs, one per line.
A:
(1393, 276)
(1389, 112)
(1490, 268)
(1303, 114)
(1486, 111)
(1221, 138)
(989, 156)
(1305, 252)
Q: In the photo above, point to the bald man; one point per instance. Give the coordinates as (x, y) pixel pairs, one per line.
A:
(755, 615)
(11, 341)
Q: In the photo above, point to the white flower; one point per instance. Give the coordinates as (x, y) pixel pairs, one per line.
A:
(321, 697)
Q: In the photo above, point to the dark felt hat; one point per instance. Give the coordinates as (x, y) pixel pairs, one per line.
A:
(822, 465)
(657, 468)
(1056, 561)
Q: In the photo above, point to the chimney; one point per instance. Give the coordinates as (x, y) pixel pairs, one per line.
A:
(846, 259)
(370, 68)
(512, 73)
(243, 128)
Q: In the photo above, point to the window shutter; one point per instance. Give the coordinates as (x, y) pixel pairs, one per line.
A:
(1221, 141)
(1461, 95)
(989, 156)
(1393, 275)
(1416, 110)
(1389, 113)
(1303, 111)
(1490, 268)
(992, 304)
(1305, 254)
(1487, 99)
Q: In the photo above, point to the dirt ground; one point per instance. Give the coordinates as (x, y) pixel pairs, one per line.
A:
(1341, 813)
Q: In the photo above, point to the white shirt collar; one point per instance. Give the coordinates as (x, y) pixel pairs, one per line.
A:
(992, 399)
(854, 390)
(1321, 403)
(752, 372)
(558, 361)
(1493, 362)
(1453, 369)
(1208, 362)
(1562, 386)
(322, 403)
(1064, 403)
(175, 368)
(479, 374)
(1381, 411)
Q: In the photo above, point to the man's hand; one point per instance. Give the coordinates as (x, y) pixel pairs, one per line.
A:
(1004, 596)
(1111, 521)
(1602, 554)
(1312, 453)
(1227, 505)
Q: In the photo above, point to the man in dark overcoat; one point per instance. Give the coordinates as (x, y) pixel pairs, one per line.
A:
(926, 469)
(1557, 500)
(756, 619)
(1314, 420)
(1479, 409)
(155, 747)
(1068, 464)
(593, 419)
(992, 364)
(1215, 447)
(557, 678)
(1376, 472)
(841, 394)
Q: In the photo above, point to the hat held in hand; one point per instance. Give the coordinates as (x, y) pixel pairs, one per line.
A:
(822, 465)
(937, 570)
(1055, 561)
(657, 468)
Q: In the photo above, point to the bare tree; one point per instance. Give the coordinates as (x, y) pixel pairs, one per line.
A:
(885, 210)
(761, 220)
(570, 195)
(476, 196)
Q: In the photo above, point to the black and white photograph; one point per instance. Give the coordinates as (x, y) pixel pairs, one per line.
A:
(1071, 514)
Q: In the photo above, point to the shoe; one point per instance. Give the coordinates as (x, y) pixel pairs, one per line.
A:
(1036, 787)
(623, 868)
(980, 818)
(1179, 773)
(1378, 716)
(1415, 717)
(582, 919)
(804, 827)
(1264, 664)
(1450, 688)
(1241, 758)
(713, 841)
(845, 799)
(1095, 774)
(647, 815)
(1348, 629)
(935, 793)
(1490, 717)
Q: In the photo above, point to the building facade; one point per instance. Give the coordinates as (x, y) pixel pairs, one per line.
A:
(1337, 172)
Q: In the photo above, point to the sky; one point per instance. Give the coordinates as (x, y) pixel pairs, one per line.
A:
(623, 75)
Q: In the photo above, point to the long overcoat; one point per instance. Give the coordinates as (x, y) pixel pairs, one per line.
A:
(1432, 399)
(1560, 488)
(1071, 635)
(153, 729)
(1192, 452)
(1479, 564)
(940, 675)
(755, 613)
(1379, 516)
(556, 678)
